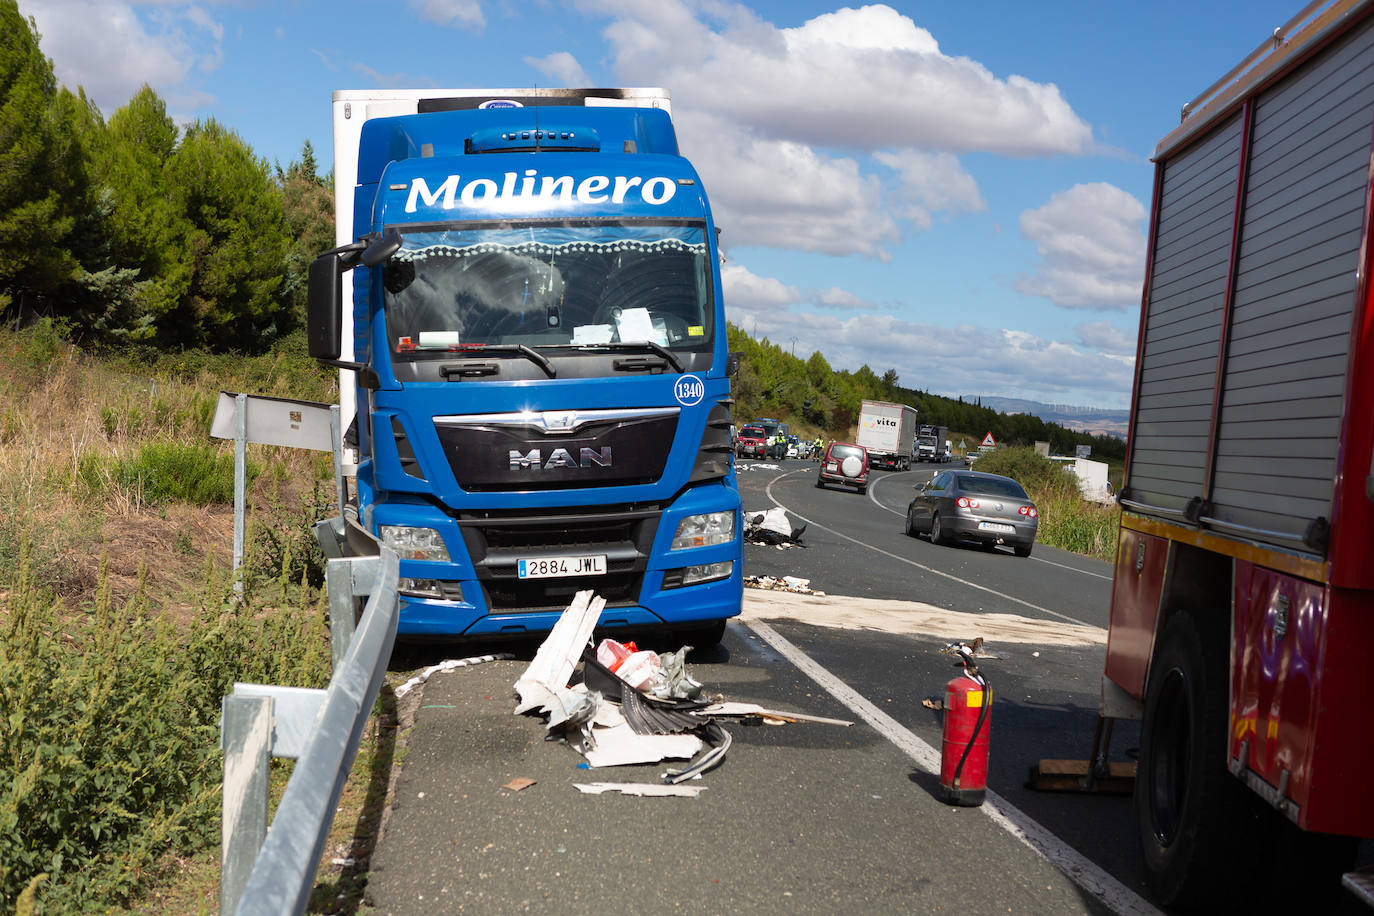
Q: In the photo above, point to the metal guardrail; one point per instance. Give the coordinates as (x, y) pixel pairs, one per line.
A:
(271, 871)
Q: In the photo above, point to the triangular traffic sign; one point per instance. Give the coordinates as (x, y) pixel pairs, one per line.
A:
(988, 441)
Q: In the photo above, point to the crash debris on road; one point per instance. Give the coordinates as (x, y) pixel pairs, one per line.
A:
(638, 788)
(629, 706)
(771, 528)
(791, 584)
(449, 665)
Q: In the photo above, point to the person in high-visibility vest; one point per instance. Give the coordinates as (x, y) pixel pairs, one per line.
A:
(818, 448)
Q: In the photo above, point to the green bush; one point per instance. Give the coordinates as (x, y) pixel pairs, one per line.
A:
(286, 371)
(109, 737)
(163, 472)
(284, 547)
(41, 343)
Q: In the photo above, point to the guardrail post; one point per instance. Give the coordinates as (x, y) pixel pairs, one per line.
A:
(338, 579)
(347, 580)
(246, 736)
(240, 483)
(268, 870)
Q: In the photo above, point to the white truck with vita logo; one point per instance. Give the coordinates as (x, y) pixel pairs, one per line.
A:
(887, 431)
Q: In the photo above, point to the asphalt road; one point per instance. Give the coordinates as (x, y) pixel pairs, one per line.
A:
(802, 818)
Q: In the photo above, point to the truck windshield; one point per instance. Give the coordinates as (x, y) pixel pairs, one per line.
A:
(549, 284)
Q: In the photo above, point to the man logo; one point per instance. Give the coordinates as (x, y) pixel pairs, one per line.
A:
(560, 458)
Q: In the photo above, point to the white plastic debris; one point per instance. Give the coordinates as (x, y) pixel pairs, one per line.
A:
(639, 788)
(544, 685)
(449, 665)
(774, 520)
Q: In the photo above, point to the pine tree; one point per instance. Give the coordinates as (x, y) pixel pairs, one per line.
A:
(40, 167)
(237, 245)
(308, 207)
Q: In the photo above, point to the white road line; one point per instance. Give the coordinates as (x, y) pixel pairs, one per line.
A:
(872, 495)
(937, 572)
(1082, 871)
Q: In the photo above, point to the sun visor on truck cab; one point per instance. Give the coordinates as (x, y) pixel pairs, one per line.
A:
(466, 132)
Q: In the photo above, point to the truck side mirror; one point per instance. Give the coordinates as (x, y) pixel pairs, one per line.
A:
(732, 363)
(383, 248)
(324, 302)
(323, 325)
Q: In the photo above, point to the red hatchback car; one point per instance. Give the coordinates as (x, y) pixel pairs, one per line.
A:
(845, 463)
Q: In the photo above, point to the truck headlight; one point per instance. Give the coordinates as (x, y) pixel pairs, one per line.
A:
(704, 530)
(693, 575)
(414, 543)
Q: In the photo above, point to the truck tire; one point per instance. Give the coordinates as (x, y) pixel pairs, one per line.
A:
(1195, 820)
(704, 637)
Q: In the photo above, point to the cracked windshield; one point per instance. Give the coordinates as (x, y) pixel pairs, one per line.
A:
(550, 285)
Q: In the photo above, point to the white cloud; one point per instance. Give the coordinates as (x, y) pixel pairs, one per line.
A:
(930, 182)
(1107, 337)
(1091, 240)
(952, 360)
(110, 51)
(561, 66)
(830, 81)
(836, 298)
(757, 305)
(973, 359)
(466, 14)
(785, 194)
(778, 120)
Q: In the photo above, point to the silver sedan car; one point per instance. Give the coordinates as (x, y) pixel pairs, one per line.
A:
(971, 505)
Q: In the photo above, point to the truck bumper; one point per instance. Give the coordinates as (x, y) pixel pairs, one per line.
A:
(644, 585)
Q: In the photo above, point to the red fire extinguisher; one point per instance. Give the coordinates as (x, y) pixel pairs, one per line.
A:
(964, 756)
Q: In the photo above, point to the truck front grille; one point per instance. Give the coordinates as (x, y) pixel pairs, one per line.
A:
(497, 541)
(557, 450)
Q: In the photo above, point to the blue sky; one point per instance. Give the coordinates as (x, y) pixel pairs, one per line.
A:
(957, 191)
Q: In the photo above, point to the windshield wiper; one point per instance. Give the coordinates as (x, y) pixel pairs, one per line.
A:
(528, 352)
(657, 348)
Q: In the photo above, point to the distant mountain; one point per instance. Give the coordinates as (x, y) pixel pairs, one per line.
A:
(1096, 420)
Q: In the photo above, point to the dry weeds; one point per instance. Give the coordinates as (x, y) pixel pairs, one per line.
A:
(74, 409)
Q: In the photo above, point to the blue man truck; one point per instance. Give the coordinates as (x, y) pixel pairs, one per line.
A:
(535, 350)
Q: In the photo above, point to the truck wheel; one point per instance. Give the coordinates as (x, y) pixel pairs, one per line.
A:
(1194, 819)
(704, 637)
(937, 532)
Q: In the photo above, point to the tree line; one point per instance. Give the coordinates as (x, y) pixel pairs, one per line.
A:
(133, 230)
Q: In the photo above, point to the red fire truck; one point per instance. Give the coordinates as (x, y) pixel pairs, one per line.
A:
(1242, 618)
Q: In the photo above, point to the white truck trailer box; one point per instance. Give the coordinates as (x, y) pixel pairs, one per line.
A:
(887, 431)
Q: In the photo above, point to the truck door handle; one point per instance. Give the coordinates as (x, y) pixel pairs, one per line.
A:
(639, 364)
(472, 369)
